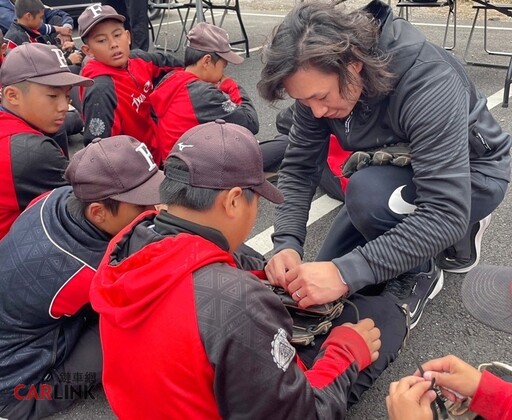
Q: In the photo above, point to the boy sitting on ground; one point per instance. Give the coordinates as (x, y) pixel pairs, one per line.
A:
(25, 29)
(118, 102)
(35, 95)
(56, 22)
(226, 353)
(201, 92)
(49, 337)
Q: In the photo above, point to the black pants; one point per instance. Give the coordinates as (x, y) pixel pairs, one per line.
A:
(366, 214)
(391, 321)
(79, 373)
(273, 152)
(137, 21)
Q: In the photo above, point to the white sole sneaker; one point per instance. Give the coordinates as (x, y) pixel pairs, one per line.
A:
(484, 224)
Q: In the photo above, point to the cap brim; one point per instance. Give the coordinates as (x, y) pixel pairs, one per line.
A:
(146, 194)
(486, 294)
(270, 192)
(231, 57)
(120, 18)
(65, 78)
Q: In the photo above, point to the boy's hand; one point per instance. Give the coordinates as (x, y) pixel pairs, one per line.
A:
(64, 30)
(68, 45)
(371, 334)
(410, 398)
(452, 374)
(279, 264)
(75, 58)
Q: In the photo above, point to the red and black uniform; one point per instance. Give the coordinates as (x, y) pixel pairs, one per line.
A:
(31, 163)
(182, 101)
(19, 34)
(206, 339)
(47, 261)
(493, 398)
(118, 103)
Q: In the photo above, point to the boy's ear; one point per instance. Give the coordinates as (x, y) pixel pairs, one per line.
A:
(12, 95)
(96, 213)
(232, 203)
(206, 60)
(86, 50)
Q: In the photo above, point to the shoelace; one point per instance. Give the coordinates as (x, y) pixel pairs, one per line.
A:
(437, 405)
(402, 286)
(348, 302)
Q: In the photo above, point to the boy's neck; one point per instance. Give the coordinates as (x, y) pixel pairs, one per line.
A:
(194, 70)
(24, 23)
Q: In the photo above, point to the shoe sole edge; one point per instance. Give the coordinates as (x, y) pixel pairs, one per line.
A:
(484, 224)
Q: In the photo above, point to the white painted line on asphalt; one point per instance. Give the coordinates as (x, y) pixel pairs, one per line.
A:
(495, 99)
(319, 208)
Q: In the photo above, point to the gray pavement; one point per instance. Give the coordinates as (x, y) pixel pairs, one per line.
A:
(445, 326)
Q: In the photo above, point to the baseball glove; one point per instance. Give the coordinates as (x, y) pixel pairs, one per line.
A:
(308, 322)
(397, 154)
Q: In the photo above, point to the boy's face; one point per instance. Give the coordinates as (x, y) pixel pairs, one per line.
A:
(215, 71)
(247, 219)
(109, 43)
(43, 107)
(33, 21)
(126, 213)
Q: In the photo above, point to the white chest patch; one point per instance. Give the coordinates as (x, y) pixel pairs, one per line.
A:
(96, 127)
(282, 351)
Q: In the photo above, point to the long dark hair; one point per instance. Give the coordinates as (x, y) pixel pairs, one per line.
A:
(320, 35)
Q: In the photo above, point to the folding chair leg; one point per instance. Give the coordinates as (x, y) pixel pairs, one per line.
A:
(242, 27)
(470, 38)
(452, 14)
(506, 90)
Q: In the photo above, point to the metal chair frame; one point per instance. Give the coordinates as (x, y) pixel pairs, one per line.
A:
(228, 5)
(505, 9)
(452, 16)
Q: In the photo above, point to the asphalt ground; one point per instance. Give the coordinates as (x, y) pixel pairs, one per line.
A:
(445, 327)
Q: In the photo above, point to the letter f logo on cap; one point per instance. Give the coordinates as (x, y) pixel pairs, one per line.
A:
(96, 10)
(60, 57)
(144, 151)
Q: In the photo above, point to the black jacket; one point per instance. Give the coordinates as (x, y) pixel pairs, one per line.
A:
(47, 262)
(436, 108)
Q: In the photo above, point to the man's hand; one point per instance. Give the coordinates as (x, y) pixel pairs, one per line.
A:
(371, 334)
(410, 398)
(279, 264)
(64, 30)
(314, 283)
(452, 374)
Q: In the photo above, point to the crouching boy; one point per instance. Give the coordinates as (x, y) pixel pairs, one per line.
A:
(49, 338)
(204, 337)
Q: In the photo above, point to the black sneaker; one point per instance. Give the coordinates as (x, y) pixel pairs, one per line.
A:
(413, 291)
(451, 263)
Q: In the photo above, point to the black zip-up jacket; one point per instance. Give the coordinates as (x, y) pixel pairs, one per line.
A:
(47, 262)
(434, 107)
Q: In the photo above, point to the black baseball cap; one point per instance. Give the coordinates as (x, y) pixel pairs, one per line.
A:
(117, 167)
(221, 156)
(39, 63)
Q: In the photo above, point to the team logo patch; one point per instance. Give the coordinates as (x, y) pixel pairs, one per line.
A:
(96, 127)
(282, 351)
(228, 106)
